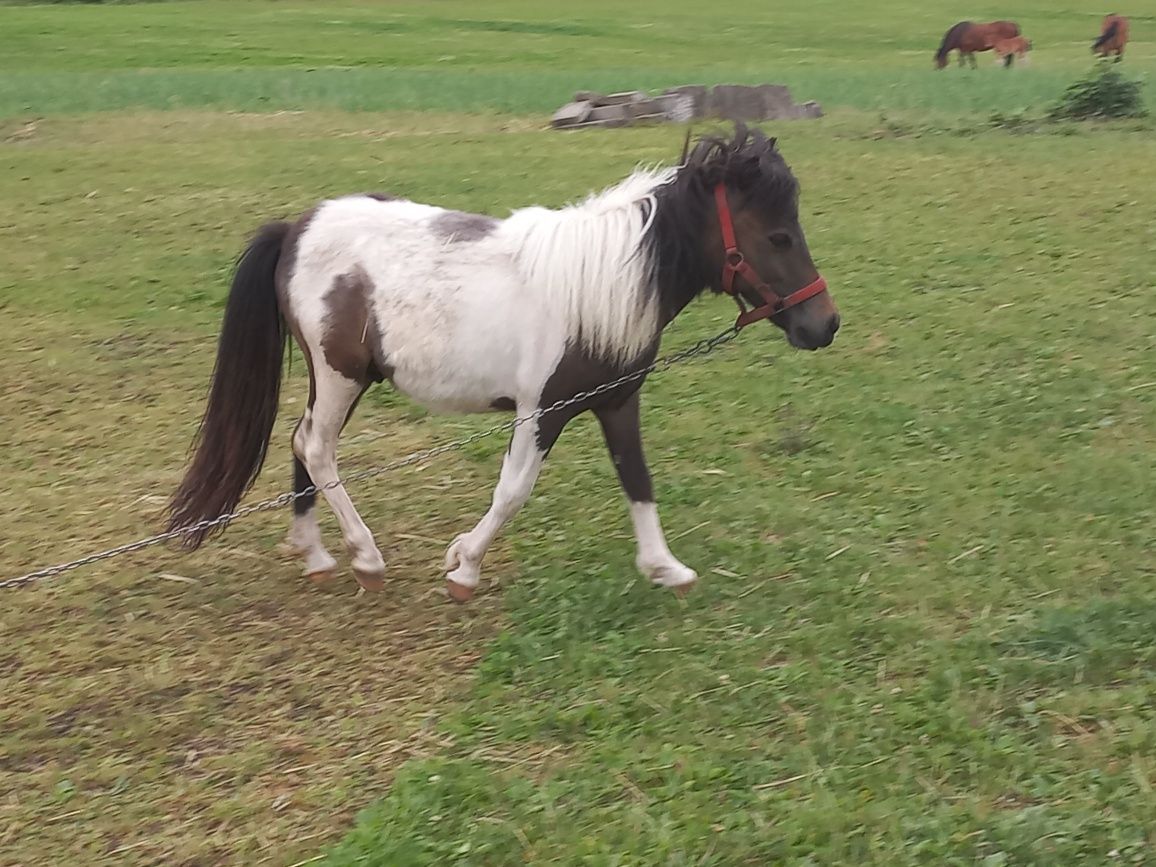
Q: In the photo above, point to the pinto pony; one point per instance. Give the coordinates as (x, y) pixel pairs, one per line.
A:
(1007, 50)
(967, 37)
(467, 313)
(1113, 37)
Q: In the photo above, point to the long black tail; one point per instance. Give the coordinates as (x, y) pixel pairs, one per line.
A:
(949, 43)
(235, 430)
(1106, 35)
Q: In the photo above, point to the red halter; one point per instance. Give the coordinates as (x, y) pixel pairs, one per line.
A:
(736, 263)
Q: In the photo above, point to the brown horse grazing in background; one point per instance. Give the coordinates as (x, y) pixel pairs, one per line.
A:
(1007, 50)
(967, 37)
(1113, 36)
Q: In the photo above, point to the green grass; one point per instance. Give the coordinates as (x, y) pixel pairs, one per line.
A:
(512, 91)
(928, 636)
(513, 56)
(924, 629)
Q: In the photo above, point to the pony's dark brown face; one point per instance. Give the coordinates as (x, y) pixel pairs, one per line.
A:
(771, 238)
(761, 195)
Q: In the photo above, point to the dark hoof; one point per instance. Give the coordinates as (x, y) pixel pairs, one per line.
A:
(371, 582)
(459, 592)
(322, 577)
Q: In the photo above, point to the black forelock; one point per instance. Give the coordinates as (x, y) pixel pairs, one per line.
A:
(747, 162)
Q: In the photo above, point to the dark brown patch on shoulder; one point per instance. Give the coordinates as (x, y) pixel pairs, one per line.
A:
(381, 197)
(459, 226)
(351, 341)
(578, 371)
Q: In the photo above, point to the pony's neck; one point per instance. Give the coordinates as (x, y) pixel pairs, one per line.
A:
(674, 303)
(682, 269)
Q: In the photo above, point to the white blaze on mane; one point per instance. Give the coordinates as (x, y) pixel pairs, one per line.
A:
(590, 262)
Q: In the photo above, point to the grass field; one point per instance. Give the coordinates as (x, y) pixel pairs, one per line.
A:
(513, 56)
(924, 633)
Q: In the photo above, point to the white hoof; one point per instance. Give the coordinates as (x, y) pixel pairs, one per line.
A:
(461, 569)
(370, 561)
(368, 567)
(318, 561)
(453, 557)
(668, 573)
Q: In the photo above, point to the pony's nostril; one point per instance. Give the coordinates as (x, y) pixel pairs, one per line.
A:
(833, 325)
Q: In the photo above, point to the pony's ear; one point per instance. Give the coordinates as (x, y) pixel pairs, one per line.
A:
(772, 143)
(685, 148)
(742, 133)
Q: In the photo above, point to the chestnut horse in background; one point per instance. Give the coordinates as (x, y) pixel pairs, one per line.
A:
(1007, 50)
(1113, 36)
(967, 37)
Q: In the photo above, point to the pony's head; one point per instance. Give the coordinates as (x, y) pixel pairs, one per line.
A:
(762, 197)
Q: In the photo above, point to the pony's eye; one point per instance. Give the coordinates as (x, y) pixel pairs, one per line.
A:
(781, 240)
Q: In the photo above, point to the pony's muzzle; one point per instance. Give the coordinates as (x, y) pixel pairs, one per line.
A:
(814, 337)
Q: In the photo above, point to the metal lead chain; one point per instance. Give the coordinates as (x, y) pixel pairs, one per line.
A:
(703, 347)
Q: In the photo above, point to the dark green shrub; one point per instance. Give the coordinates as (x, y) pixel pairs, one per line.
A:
(1103, 93)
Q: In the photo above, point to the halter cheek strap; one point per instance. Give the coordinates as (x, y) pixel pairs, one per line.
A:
(735, 263)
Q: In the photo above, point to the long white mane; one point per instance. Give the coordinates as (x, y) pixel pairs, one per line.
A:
(590, 260)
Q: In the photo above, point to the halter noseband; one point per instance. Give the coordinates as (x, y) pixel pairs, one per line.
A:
(736, 263)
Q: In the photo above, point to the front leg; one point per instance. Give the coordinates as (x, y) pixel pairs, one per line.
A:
(520, 468)
(621, 427)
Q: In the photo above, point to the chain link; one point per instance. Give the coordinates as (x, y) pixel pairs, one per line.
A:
(702, 347)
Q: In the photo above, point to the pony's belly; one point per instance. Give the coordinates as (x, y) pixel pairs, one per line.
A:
(462, 394)
(461, 355)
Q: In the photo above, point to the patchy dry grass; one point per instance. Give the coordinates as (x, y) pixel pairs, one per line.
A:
(176, 720)
(211, 708)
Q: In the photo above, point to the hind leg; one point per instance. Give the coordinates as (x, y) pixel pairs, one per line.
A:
(304, 537)
(315, 444)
